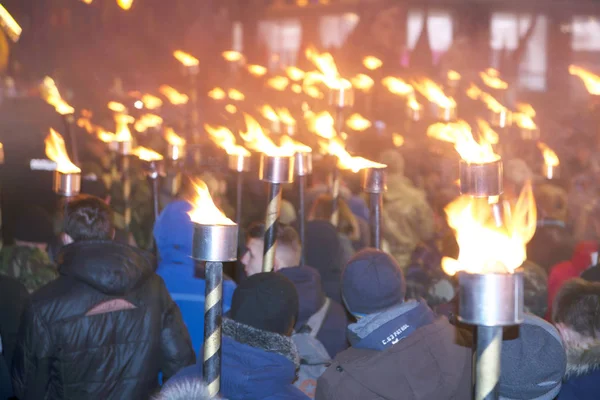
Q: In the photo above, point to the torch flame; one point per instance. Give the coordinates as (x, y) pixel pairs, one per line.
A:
(487, 133)
(329, 72)
(268, 113)
(453, 75)
(491, 103)
(122, 132)
(146, 154)
(176, 98)
(362, 82)
(313, 91)
(357, 122)
(397, 86)
(473, 92)
(236, 95)
(173, 138)
(204, 211)
(590, 80)
(550, 157)
(524, 121)
(294, 73)
(397, 139)
(147, 121)
(413, 104)
(296, 88)
(293, 146)
(223, 138)
(51, 95)
(10, 26)
(186, 59)
(434, 93)
(105, 136)
(335, 147)
(151, 102)
(485, 247)
(231, 109)
(116, 107)
(459, 133)
(278, 83)
(322, 125)
(257, 70)
(285, 116)
(526, 109)
(217, 94)
(125, 4)
(57, 152)
(232, 56)
(491, 78)
(256, 139)
(372, 63)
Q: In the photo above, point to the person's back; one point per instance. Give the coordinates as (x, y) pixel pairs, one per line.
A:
(106, 327)
(173, 233)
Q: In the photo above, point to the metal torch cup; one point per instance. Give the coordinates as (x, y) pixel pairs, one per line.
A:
(502, 119)
(153, 170)
(239, 163)
(175, 153)
(303, 168)
(341, 97)
(374, 183)
(550, 171)
(66, 184)
(213, 244)
(414, 114)
(443, 113)
(481, 180)
(275, 170)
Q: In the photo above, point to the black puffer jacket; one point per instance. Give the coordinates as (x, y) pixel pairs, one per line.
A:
(63, 353)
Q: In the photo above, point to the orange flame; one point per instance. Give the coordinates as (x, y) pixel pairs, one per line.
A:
(146, 154)
(285, 116)
(223, 138)
(590, 80)
(105, 136)
(122, 132)
(434, 93)
(278, 83)
(362, 82)
(52, 96)
(11, 27)
(217, 94)
(413, 104)
(125, 4)
(357, 122)
(173, 138)
(526, 109)
(232, 56)
(491, 103)
(485, 247)
(294, 73)
(335, 147)
(268, 113)
(256, 139)
(204, 211)
(236, 95)
(57, 152)
(397, 139)
(372, 63)
(322, 125)
(186, 59)
(257, 70)
(292, 146)
(397, 86)
(116, 107)
(151, 102)
(329, 72)
(313, 91)
(147, 121)
(231, 109)
(296, 88)
(175, 97)
(474, 92)
(487, 133)
(459, 133)
(550, 157)
(524, 121)
(491, 78)
(453, 75)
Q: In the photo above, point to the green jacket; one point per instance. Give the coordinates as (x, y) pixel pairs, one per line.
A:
(30, 265)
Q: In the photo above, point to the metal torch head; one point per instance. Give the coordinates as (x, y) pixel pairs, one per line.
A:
(289, 129)
(481, 180)
(215, 242)
(341, 97)
(303, 163)
(153, 169)
(491, 299)
(239, 162)
(443, 113)
(124, 148)
(276, 169)
(374, 180)
(502, 119)
(532, 134)
(175, 152)
(551, 171)
(414, 114)
(67, 185)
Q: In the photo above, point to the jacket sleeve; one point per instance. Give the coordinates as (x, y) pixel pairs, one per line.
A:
(31, 366)
(176, 345)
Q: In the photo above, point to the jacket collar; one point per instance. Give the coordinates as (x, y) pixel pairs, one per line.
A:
(582, 360)
(384, 329)
(263, 340)
(307, 281)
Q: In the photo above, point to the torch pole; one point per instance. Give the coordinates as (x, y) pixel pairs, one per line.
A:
(376, 208)
(239, 163)
(124, 150)
(213, 244)
(302, 167)
(68, 120)
(238, 197)
(275, 170)
(375, 184)
(487, 368)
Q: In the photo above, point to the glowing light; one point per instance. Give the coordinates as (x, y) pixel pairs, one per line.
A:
(231, 109)
(296, 88)
(397, 139)
(285, 116)
(459, 133)
(268, 113)
(175, 97)
(492, 104)
(372, 63)
(486, 132)
(290, 145)
(474, 92)
(256, 139)
(125, 4)
(329, 72)
(278, 83)
(362, 82)
(204, 211)
(224, 139)
(590, 80)
(10, 26)
(322, 125)
(232, 56)
(122, 132)
(147, 121)
(257, 70)
(434, 93)
(217, 94)
(105, 136)
(116, 107)
(313, 91)
(236, 95)
(524, 121)
(173, 138)
(146, 154)
(186, 59)
(51, 95)
(57, 152)
(397, 86)
(453, 76)
(491, 78)
(335, 147)
(526, 109)
(413, 104)
(550, 157)
(138, 104)
(294, 73)
(357, 122)
(151, 102)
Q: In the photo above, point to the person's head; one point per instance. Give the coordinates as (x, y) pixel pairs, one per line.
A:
(372, 282)
(33, 227)
(322, 210)
(533, 361)
(287, 251)
(551, 201)
(88, 218)
(266, 301)
(174, 233)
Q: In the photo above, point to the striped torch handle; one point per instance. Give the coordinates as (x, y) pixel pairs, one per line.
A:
(126, 182)
(211, 368)
(335, 194)
(487, 363)
(273, 210)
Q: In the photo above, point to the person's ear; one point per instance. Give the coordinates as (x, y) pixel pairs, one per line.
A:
(65, 239)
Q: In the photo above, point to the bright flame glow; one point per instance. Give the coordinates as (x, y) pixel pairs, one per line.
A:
(434, 93)
(485, 247)
(362, 82)
(492, 79)
(524, 121)
(357, 122)
(372, 63)
(322, 125)
(335, 147)
(217, 94)
(257, 70)
(256, 139)
(397, 139)
(88, 1)
(550, 157)
(204, 211)
(146, 154)
(459, 133)
(397, 86)
(116, 107)
(11, 27)
(486, 132)
(232, 56)
(526, 109)
(453, 75)
(186, 59)
(294, 73)
(175, 97)
(293, 146)
(151, 102)
(473, 92)
(330, 75)
(51, 95)
(296, 88)
(147, 121)
(231, 109)
(173, 138)
(491, 103)
(313, 91)
(278, 83)
(590, 80)
(413, 104)
(285, 116)
(57, 152)
(223, 138)
(268, 113)
(236, 95)
(125, 4)
(105, 136)
(122, 132)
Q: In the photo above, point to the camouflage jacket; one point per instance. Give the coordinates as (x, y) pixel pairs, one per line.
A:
(30, 265)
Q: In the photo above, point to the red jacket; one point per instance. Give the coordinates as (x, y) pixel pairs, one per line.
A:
(562, 272)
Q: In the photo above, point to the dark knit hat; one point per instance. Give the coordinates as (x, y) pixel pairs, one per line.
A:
(266, 301)
(371, 282)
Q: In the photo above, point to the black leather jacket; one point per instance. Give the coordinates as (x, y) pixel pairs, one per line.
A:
(62, 353)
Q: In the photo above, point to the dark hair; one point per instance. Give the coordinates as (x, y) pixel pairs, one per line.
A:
(88, 218)
(322, 209)
(577, 305)
(285, 235)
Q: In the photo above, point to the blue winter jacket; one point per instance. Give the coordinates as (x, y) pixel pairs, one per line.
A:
(583, 387)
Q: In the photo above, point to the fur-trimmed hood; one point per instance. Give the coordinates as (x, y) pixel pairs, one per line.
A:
(582, 360)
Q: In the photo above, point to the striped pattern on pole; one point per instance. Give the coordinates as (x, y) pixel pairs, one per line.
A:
(302, 215)
(126, 182)
(487, 362)
(211, 367)
(376, 210)
(335, 194)
(272, 216)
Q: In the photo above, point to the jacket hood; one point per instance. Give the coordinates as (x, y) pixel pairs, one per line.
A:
(582, 255)
(400, 187)
(582, 360)
(259, 363)
(110, 267)
(174, 233)
(307, 281)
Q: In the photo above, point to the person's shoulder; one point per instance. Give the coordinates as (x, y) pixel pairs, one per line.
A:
(290, 392)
